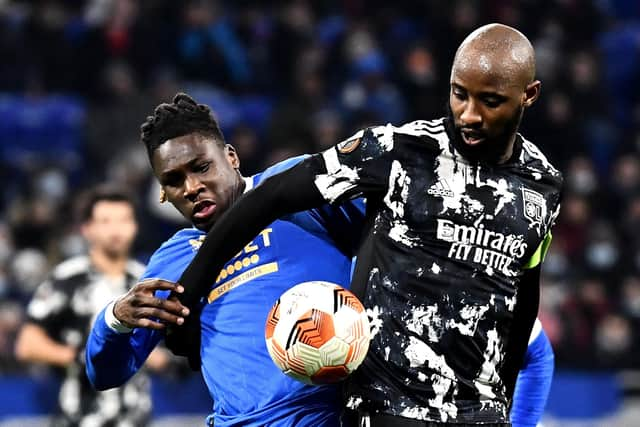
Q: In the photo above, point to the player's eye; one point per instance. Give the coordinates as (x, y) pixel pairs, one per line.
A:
(170, 181)
(492, 101)
(203, 167)
(461, 95)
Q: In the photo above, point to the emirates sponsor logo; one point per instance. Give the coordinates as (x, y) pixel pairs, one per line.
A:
(493, 249)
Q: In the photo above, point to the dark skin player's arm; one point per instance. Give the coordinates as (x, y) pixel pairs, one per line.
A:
(291, 191)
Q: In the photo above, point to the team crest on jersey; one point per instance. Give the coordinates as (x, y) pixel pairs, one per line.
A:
(534, 206)
(346, 147)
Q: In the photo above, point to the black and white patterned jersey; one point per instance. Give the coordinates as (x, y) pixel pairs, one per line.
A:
(65, 305)
(440, 266)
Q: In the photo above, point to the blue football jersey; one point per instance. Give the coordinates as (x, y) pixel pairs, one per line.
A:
(246, 386)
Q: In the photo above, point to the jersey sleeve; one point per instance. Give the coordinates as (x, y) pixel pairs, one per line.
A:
(279, 168)
(343, 222)
(358, 166)
(112, 357)
(48, 305)
(534, 380)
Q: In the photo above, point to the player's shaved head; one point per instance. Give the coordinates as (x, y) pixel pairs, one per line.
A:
(499, 50)
(492, 82)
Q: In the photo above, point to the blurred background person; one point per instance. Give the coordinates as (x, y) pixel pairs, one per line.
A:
(60, 314)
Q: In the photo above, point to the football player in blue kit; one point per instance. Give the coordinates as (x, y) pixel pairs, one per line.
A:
(199, 174)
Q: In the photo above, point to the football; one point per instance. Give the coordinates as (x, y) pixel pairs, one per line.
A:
(317, 332)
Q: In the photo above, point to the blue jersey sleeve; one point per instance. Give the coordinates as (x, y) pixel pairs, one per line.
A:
(343, 223)
(534, 381)
(111, 357)
(279, 167)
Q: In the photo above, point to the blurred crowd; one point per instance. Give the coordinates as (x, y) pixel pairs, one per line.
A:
(77, 78)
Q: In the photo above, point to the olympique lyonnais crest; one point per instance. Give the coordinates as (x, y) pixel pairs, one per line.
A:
(534, 206)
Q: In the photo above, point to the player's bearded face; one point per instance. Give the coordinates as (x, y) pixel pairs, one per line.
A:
(112, 228)
(495, 135)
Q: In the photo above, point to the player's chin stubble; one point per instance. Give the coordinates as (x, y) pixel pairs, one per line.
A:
(491, 150)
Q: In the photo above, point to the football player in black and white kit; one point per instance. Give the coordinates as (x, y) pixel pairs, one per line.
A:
(60, 314)
(459, 215)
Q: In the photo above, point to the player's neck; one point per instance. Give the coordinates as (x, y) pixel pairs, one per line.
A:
(239, 189)
(506, 156)
(111, 266)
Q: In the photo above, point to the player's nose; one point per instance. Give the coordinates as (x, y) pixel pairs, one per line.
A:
(470, 114)
(192, 187)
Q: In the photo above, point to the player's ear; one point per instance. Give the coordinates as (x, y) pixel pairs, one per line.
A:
(232, 156)
(163, 196)
(531, 93)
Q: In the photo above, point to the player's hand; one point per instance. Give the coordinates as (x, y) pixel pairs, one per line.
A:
(140, 308)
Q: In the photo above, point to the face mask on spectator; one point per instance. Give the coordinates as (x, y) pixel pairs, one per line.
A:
(602, 255)
(555, 264)
(632, 306)
(613, 335)
(72, 245)
(29, 268)
(52, 184)
(582, 181)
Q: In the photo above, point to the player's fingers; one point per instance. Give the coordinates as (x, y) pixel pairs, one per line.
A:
(171, 305)
(159, 284)
(174, 298)
(150, 324)
(158, 314)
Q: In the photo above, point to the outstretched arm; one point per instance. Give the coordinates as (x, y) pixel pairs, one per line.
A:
(356, 167)
(290, 191)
